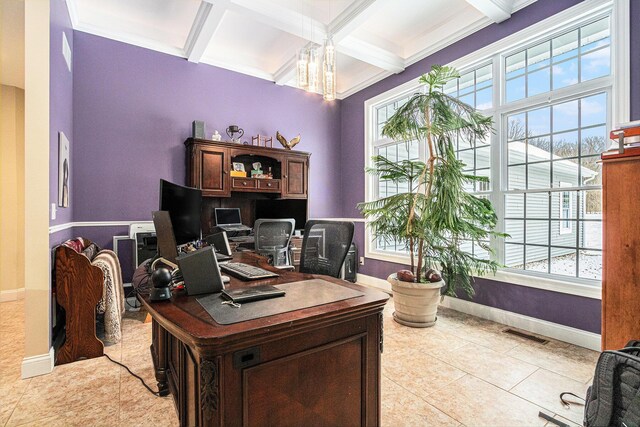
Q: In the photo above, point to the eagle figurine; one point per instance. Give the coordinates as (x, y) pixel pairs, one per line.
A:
(288, 145)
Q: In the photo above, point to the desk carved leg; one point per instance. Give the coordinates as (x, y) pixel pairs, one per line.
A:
(209, 389)
(159, 349)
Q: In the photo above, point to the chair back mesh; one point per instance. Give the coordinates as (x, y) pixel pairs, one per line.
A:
(325, 246)
(272, 238)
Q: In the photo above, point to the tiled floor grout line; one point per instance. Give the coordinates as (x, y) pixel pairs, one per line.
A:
(524, 379)
(427, 403)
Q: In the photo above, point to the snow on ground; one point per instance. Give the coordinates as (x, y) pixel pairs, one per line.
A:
(590, 265)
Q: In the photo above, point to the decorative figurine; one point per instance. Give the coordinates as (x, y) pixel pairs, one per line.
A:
(287, 145)
(235, 133)
(216, 136)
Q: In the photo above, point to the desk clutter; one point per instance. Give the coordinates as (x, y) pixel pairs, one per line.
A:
(88, 281)
(297, 295)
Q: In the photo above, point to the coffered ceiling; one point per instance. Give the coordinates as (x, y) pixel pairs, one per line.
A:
(374, 38)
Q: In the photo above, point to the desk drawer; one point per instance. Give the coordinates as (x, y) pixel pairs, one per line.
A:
(269, 185)
(243, 184)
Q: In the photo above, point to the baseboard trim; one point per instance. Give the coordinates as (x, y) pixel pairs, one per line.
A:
(374, 282)
(41, 364)
(12, 295)
(67, 225)
(531, 324)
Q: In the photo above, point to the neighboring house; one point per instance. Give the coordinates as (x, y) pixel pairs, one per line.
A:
(545, 225)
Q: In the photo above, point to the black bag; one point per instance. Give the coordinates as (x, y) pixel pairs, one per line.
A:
(614, 397)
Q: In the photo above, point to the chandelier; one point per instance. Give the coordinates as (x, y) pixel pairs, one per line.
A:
(308, 73)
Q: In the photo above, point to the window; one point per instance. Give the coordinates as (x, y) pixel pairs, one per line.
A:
(564, 60)
(552, 104)
(565, 212)
(395, 152)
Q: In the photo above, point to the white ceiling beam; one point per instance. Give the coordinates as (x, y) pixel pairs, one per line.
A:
(352, 18)
(315, 32)
(282, 18)
(205, 25)
(496, 10)
(371, 54)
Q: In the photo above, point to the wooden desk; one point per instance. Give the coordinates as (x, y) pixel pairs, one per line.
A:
(315, 366)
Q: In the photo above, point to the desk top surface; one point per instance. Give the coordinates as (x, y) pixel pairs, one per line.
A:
(185, 318)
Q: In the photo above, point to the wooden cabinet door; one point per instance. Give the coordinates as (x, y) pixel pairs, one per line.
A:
(295, 178)
(621, 249)
(212, 171)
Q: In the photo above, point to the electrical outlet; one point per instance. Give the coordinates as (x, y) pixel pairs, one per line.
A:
(361, 260)
(53, 211)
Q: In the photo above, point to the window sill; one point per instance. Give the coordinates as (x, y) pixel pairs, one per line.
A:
(550, 284)
(579, 288)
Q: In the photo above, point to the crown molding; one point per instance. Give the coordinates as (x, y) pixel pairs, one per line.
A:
(132, 40)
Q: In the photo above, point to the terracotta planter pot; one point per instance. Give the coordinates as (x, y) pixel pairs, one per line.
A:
(416, 304)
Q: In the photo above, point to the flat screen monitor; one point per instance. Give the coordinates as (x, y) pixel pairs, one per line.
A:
(228, 216)
(296, 209)
(184, 205)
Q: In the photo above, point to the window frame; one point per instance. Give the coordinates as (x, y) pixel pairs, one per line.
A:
(616, 85)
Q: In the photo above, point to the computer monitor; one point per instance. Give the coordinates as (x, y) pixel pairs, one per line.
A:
(228, 216)
(167, 247)
(184, 205)
(296, 209)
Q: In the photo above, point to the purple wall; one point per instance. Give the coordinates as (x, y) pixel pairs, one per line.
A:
(60, 102)
(570, 310)
(133, 110)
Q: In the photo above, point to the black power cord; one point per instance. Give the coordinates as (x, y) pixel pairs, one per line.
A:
(155, 393)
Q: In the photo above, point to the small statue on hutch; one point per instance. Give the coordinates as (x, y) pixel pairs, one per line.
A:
(287, 145)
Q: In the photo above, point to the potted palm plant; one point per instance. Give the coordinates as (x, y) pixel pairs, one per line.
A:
(435, 214)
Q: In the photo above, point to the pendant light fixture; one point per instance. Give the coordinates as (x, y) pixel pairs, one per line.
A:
(313, 75)
(302, 63)
(329, 70)
(302, 68)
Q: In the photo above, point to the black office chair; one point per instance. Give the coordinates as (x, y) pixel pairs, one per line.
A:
(272, 238)
(325, 246)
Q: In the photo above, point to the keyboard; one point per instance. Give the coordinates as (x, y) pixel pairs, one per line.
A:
(245, 271)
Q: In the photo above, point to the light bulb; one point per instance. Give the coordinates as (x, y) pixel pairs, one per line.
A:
(301, 68)
(313, 72)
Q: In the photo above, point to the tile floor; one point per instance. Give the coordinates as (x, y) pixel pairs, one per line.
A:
(463, 371)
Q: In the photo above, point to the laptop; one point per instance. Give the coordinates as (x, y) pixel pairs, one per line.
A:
(167, 247)
(228, 219)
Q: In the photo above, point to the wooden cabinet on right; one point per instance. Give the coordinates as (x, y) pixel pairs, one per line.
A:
(295, 178)
(621, 249)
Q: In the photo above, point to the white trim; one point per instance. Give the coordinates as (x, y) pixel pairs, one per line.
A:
(621, 46)
(373, 282)
(340, 219)
(130, 39)
(497, 10)
(539, 30)
(12, 295)
(203, 28)
(542, 327)
(549, 283)
(41, 364)
(364, 84)
(67, 225)
(73, 13)
(238, 68)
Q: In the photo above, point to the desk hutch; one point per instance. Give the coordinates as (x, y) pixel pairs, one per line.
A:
(209, 166)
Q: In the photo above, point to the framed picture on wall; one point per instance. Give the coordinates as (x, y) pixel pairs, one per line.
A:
(63, 170)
